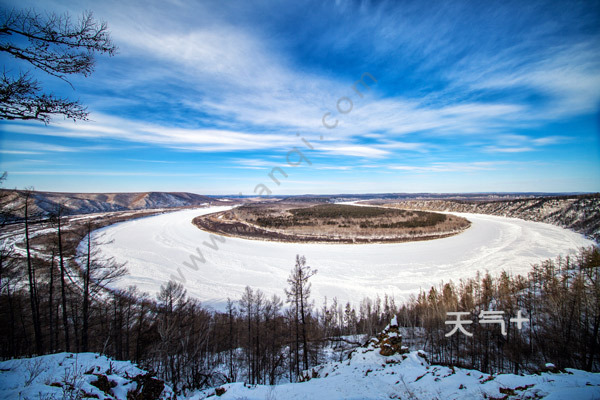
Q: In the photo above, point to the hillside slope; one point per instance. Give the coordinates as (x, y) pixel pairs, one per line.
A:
(85, 203)
(578, 213)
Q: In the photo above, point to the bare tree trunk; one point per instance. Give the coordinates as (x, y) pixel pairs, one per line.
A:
(298, 295)
(13, 318)
(51, 304)
(304, 344)
(250, 360)
(231, 378)
(63, 285)
(297, 341)
(75, 323)
(86, 294)
(138, 346)
(32, 290)
(593, 344)
(128, 326)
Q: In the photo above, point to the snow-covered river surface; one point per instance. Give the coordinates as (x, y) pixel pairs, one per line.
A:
(159, 247)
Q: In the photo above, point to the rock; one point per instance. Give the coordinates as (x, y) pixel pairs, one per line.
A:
(220, 391)
(549, 367)
(148, 388)
(390, 341)
(103, 383)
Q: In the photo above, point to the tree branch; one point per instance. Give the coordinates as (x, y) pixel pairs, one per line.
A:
(55, 45)
(21, 99)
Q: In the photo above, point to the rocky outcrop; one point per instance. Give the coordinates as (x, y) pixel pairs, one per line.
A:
(389, 341)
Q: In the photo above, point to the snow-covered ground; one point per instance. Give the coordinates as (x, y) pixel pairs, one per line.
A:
(75, 376)
(369, 375)
(365, 375)
(384, 369)
(156, 248)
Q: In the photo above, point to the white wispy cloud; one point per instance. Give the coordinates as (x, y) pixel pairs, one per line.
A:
(3, 151)
(449, 167)
(251, 162)
(336, 167)
(247, 82)
(151, 161)
(215, 78)
(355, 150)
(248, 86)
(79, 172)
(496, 149)
(31, 147)
(548, 140)
(201, 140)
(512, 143)
(569, 75)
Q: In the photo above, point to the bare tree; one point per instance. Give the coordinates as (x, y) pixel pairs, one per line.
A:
(97, 274)
(55, 45)
(11, 275)
(298, 294)
(33, 297)
(171, 301)
(247, 305)
(273, 338)
(56, 217)
(231, 314)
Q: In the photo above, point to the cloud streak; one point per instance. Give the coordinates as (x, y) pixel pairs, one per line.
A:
(240, 86)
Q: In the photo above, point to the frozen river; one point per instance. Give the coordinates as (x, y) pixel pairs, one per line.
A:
(156, 248)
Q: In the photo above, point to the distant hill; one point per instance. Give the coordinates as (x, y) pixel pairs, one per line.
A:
(489, 196)
(580, 213)
(46, 203)
(475, 196)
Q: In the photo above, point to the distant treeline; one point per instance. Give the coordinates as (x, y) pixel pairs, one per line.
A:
(422, 219)
(330, 214)
(344, 211)
(343, 215)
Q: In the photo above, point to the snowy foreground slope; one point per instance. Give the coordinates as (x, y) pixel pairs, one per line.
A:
(77, 376)
(367, 374)
(159, 248)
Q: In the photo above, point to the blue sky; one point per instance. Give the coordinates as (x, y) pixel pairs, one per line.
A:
(209, 97)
